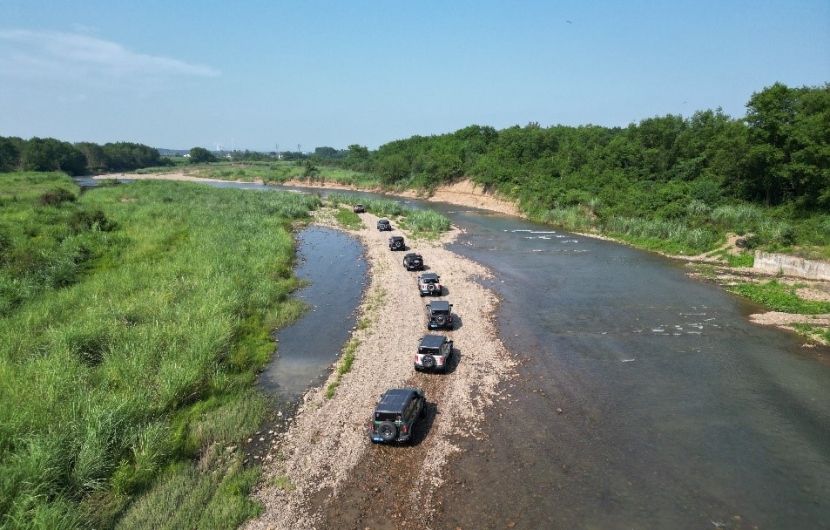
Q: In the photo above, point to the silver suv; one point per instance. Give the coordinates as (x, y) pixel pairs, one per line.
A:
(434, 353)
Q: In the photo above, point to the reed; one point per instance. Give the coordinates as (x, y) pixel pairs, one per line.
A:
(144, 357)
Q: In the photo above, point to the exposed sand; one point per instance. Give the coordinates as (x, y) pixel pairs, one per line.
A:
(328, 438)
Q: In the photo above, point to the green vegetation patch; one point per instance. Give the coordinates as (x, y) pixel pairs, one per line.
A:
(425, 223)
(780, 297)
(420, 223)
(134, 320)
(344, 367)
(348, 219)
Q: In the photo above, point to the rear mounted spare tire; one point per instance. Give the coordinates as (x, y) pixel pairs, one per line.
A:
(431, 287)
(396, 244)
(428, 361)
(387, 431)
(440, 319)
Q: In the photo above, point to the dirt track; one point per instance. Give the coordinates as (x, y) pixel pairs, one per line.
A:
(324, 473)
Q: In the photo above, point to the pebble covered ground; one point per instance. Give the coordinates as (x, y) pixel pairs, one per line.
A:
(323, 472)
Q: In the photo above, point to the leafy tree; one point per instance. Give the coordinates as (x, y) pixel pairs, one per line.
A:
(789, 156)
(357, 157)
(48, 154)
(127, 156)
(96, 158)
(200, 155)
(9, 154)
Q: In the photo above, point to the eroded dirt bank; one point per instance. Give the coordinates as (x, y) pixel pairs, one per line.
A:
(324, 472)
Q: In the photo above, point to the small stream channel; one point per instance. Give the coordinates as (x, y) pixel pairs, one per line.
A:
(332, 264)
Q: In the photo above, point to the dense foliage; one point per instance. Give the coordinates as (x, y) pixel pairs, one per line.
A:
(132, 321)
(686, 176)
(48, 154)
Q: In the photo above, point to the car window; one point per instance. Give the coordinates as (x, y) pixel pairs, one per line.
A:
(410, 408)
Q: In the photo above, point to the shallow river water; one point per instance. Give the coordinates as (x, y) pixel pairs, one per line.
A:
(673, 410)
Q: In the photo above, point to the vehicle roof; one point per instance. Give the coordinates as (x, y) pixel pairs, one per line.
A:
(413, 255)
(383, 220)
(440, 305)
(432, 341)
(396, 237)
(395, 400)
(429, 276)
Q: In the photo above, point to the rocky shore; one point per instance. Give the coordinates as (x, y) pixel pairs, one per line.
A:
(327, 444)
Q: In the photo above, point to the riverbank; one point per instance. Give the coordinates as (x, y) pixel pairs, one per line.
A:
(466, 193)
(327, 444)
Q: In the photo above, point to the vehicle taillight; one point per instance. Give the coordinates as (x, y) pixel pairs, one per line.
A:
(404, 429)
(416, 358)
(440, 360)
(373, 427)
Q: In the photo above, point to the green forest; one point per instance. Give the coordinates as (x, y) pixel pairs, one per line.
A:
(669, 183)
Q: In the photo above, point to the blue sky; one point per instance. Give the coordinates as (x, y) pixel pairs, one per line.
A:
(250, 75)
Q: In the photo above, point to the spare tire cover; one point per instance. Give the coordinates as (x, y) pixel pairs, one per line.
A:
(387, 431)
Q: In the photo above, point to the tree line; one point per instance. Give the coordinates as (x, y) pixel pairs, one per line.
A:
(49, 154)
(777, 155)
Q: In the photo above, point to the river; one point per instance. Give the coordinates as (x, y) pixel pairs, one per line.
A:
(645, 400)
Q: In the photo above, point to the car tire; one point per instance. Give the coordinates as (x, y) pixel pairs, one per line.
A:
(428, 361)
(431, 288)
(440, 320)
(387, 431)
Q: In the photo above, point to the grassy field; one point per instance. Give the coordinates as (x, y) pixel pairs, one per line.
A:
(132, 322)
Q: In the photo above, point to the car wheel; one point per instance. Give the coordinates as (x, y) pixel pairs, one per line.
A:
(431, 287)
(440, 320)
(428, 361)
(387, 431)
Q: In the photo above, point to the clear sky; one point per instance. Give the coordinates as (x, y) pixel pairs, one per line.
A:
(250, 75)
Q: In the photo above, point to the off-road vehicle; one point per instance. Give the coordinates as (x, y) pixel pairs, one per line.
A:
(434, 353)
(396, 243)
(413, 262)
(358, 208)
(396, 414)
(430, 284)
(384, 225)
(439, 315)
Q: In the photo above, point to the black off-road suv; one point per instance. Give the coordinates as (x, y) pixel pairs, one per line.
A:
(396, 243)
(430, 284)
(413, 262)
(358, 208)
(434, 353)
(384, 225)
(396, 414)
(439, 315)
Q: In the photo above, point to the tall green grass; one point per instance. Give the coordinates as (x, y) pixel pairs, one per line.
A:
(425, 222)
(146, 359)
